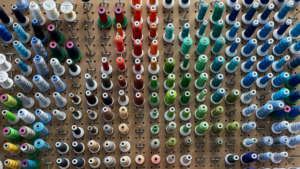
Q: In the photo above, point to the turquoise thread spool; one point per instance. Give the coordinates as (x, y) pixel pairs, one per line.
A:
(218, 45)
(232, 65)
(169, 34)
(217, 14)
(202, 45)
(201, 31)
(216, 32)
(216, 66)
(186, 45)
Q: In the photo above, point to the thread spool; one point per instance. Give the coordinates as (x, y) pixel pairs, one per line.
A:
(24, 53)
(12, 118)
(153, 51)
(58, 84)
(107, 84)
(5, 35)
(247, 81)
(185, 160)
(73, 52)
(231, 159)
(169, 34)
(280, 33)
(152, 3)
(26, 116)
(14, 149)
(119, 17)
(36, 13)
(278, 157)
(78, 162)
(137, 31)
(232, 17)
(201, 31)
(123, 128)
(216, 32)
(137, 13)
(168, 4)
(264, 111)
(217, 13)
(122, 83)
(109, 161)
(7, 21)
(61, 116)
(25, 70)
(107, 113)
(94, 162)
(120, 64)
(137, 51)
(154, 114)
(107, 100)
(216, 98)
(277, 128)
(60, 101)
(124, 146)
(51, 10)
(109, 130)
(120, 48)
(38, 31)
(104, 20)
(61, 147)
(247, 18)
(45, 117)
(58, 69)
(78, 132)
(153, 34)
(23, 36)
(23, 83)
(74, 69)
(247, 158)
(41, 129)
(93, 130)
(170, 144)
(109, 146)
(41, 145)
(93, 146)
(248, 142)
(92, 100)
(22, 19)
(280, 79)
(170, 159)
(67, 9)
(282, 46)
(153, 68)
(280, 16)
(63, 163)
(185, 130)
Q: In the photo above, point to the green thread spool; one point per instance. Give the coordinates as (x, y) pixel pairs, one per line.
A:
(230, 159)
(186, 128)
(216, 32)
(232, 96)
(154, 129)
(171, 142)
(169, 34)
(185, 114)
(12, 133)
(218, 45)
(169, 66)
(11, 102)
(200, 83)
(200, 66)
(186, 45)
(101, 11)
(200, 113)
(216, 128)
(217, 14)
(232, 65)
(170, 82)
(154, 114)
(187, 141)
(9, 115)
(231, 127)
(184, 66)
(154, 99)
(217, 142)
(170, 97)
(201, 31)
(217, 111)
(201, 96)
(202, 45)
(201, 128)
(185, 81)
(185, 98)
(170, 114)
(154, 84)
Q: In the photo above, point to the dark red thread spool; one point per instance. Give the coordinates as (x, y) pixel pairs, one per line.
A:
(138, 82)
(102, 15)
(138, 99)
(105, 64)
(119, 15)
(153, 31)
(138, 48)
(122, 81)
(137, 65)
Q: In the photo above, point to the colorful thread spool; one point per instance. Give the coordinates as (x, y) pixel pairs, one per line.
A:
(232, 65)
(231, 34)
(264, 111)
(104, 20)
(232, 17)
(231, 51)
(202, 11)
(277, 128)
(216, 98)
(216, 66)
(11, 102)
(293, 97)
(217, 14)
(280, 79)
(249, 110)
(294, 113)
(218, 45)
(262, 82)
(12, 133)
(248, 158)
(247, 66)
(262, 50)
(32, 163)
(280, 16)
(279, 114)
(248, 48)
(277, 66)
(280, 32)
(248, 33)
(119, 17)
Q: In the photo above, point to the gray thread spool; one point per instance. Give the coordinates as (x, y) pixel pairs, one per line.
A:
(59, 114)
(90, 83)
(59, 100)
(108, 129)
(109, 161)
(23, 83)
(41, 83)
(38, 48)
(58, 69)
(41, 66)
(109, 146)
(44, 102)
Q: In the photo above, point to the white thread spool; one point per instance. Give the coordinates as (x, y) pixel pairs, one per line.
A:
(36, 13)
(51, 10)
(5, 81)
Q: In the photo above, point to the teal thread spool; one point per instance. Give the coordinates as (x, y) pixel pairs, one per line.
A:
(170, 97)
(185, 114)
(217, 14)
(200, 66)
(201, 96)
(185, 81)
(201, 31)
(202, 45)
(216, 32)
(216, 66)
(169, 34)
(154, 99)
(200, 83)
(169, 84)
(153, 84)
(232, 65)
(200, 113)
(215, 83)
(186, 45)
(185, 98)
(218, 45)
(169, 66)
(185, 32)
(201, 128)
(216, 98)
(202, 11)
(184, 66)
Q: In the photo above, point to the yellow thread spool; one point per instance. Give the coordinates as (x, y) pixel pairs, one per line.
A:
(70, 15)
(13, 164)
(12, 148)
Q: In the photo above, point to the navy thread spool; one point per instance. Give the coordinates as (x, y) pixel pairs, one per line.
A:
(248, 48)
(278, 157)
(277, 128)
(293, 63)
(202, 11)
(277, 66)
(38, 31)
(248, 65)
(262, 157)
(5, 35)
(78, 162)
(263, 3)
(231, 51)
(232, 17)
(279, 114)
(294, 141)
(282, 46)
(264, 141)
(248, 158)
(264, 111)
(294, 113)
(263, 33)
(280, 16)
(280, 79)
(183, 3)
(247, 18)
(231, 34)
(63, 163)
(249, 110)
(262, 50)
(247, 3)
(279, 33)
(263, 65)
(295, 48)
(7, 21)
(263, 17)
(248, 33)
(216, 66)
(279, 3)
(247, 81)
(293, 81)
(293, 97)
(262, 82)
(281, 94)
(22, 19)
(231, 3)
(78, 147)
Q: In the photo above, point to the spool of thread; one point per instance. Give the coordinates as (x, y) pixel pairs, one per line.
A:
(264, 111)
(278, 157)
(248, 33)
(170, 97)
(201, 31)
(247, 18)
(119, 17)
(247, 81)
(231, 159)
(281, 15)
(123, 128)
(263, 17)
(170, 114)
(169, 84)
(202, 11)
(200, 113)
(216, 98)
(169, 34)
(155, 159)
(231, 97)
(294, 141)
(26, 116)
(78, 162)
(217, 142)
(216, 128)
(153, 84)
(216, 66)
(262, 157)
(137, 13)
(231, 51)
(41, 129)
(262, 50)
(246, 127)
(7, 21)
(249, 110)
(218, 45)
(171, 143)
(5, 35)
(41, 145)
(217, 14)
(277, 128)
(138, 99)
(73, 52)
(61, 147)
(185, 130)
(216, 32)
(282, 46)
(169, 65)
(263, 33)
(247, 3)
(38, 31)
(231, 34)
(264, 141)
(248, 158)
(22, 19)
(139, 159)
(185, 81)
(28, 133)
(104, 20)
(154, 129)
(122, 81)
(154, 114)
(216, 112)
(200, 66)
(232, 65)
(93, 146)
(201, 128)
(107, 99)
(294, 113)
(63, 162)
(125, 146)
(232, 17)
(282, 140)
(280, 79)
(186, 45)
(231, 127)
(200, 83)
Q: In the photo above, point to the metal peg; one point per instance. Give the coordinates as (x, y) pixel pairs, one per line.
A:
(168, 20)
(184, 20)
(262, 127)
(231, 113)
(262, 97)
(215, 160)
(89, 37)
(231, 143)
(104, 3)
(105, 37)
(139, 131)
(90, 69)
(76, 86)
(89, 21)
(86, 5)
(200, 160)
(231, 82)
(105, 53)
(10, 54)
(169, 51)
(200, 144)
(48, 163)
(63, 133)
(120, 3)
(73, 37)
(292, 158)
(89, 54)
(140, 146)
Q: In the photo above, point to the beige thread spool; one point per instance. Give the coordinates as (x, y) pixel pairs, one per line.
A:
(109, 161)
(109, 146)
(123, 128)
(123, 112)
(125, 161)
(93, 146)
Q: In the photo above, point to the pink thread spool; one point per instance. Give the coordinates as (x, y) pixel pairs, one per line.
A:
(155, 159)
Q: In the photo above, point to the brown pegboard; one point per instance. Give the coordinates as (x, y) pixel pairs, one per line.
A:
(133, 122)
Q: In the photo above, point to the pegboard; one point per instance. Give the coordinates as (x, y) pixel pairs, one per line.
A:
(145, 122)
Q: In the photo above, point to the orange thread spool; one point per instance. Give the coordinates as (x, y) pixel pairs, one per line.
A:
(121, 64)
(119, 29)
(138, 48)
(119, 44)
(137, 30)
(137, 15)
(154, 47)
(134, 2)
(152, 2)
(139, 159)
(153, 31)
(153, 63)
(152, 14)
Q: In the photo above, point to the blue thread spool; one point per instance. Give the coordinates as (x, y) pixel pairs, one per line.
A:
(262, 82)
(247, 18)
(185, 32)
(248, 33)
(262, 50)
(231, 51)
(249, 47)
(294, 113)
(281, 94)
(295, 48)
(281, 15)
(279, 114)
(247, 81)
(277, 104)
(23, 36)
(247, 3)
(38, 79)
(294, 127)
(32, 163)
(247, 65)
(278, 157)
(282, 140)
(295, 62)
(263, 65)
(232, 65)
(231, 3)
(231, 34)
(293, 97)
(22, 6)
(41, 145)
(263, 17)
(280, 79)
(264, 141)
(246, 127)
(232, 17)
(7, 21)
(216, 66)
(45, 117)
(218, 45)
(263, 33)
(282, 46)
(216, 98)
(215, 83)
(262, 157)
(249, 110)
(248, 158)
(293, 81)
(26, 70)
(279, 33)
(23, 52)
(264, 111)
(55, 79)
(41, 128)
(294, 141)
(279, 3)
(248, 142)
(277, 128)
(5, 35)
(295, 31)
(277, 66)
(201, 31)
(263, 3)
(202, 11)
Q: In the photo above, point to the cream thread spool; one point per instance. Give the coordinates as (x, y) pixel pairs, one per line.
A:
(67, 9)
(51, 10)
(93, 146)
(123, 128)
(123, 112)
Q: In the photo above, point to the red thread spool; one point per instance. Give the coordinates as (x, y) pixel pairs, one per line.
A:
(134, 2)
(119, 15)
(138, 99)
(137, 65)
(152, 14)
(153, 31)
(138, 82)
(121, 64)
(105, 64)
(137, 15)
(102, 14)
(138, 48)
(137, 31)
(119, 44)
(154, 47)
(122, 81)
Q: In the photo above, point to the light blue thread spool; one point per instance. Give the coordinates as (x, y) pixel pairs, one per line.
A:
(41, 128)
(248, 33)
(215, 83)
(169, 34)
(24, 53)
(23, 36)
(281, 15)
(264, 111)
(262, 82)
(232, 65)
(231, 34)
(246, 97)
(218, 45)
(216, 98)
(247, 18)
(281, 94)
(277, 128)
(41, 145)
(216, 66)
(263, 17)
(280, 79)
(277, 66)
(249, 110)
(26, 70)
(232, 17)
(264, 141)
(294, 127)
(295, 31)
(247, 81)
(264, 156)
(278, 157)
(263, 33)
(282, 140)
(247, 65)
(294, 141)
(201, 31)
(263, 65)
(185, 32)
(246, 127)
(262, 50)
(248, 48)
(295, 48)
(231, 51)
(29, 164)
(277, 104)
(202, 11)
(282, 46)
(248, 142)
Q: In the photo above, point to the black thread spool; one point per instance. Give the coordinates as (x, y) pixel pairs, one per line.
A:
(72, 65)
(76, 130)
(107, 99)
(91, 98)
(78, 162)
(55, 50)
(72, 51)
(54, 33)
(77, 147)
(3, 16)
(61, 147)
(74, 112)
(37, 29)
(106, 83)
(18, 13)
(62, 162)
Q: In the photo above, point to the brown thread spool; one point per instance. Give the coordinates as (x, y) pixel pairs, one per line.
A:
(92, 130)
(139, 159)
(122, 95)
(93, 161)
(123, 100)
(92, 114)
(107, 100)
(138, 99)
(122, 81)
(123, 128)
(93, 146)
(106, 82)
(123, 112)
(138, 82)
(75, 98)
(92, 100)
(108, 115)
